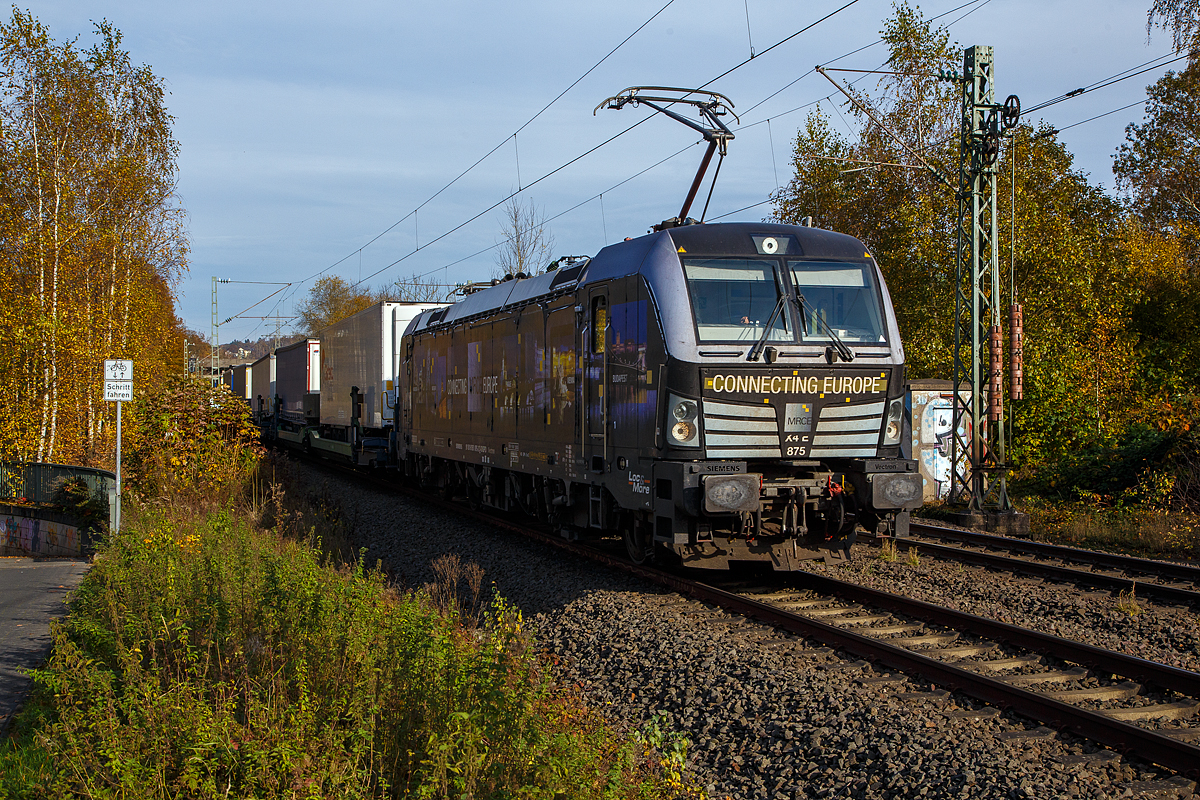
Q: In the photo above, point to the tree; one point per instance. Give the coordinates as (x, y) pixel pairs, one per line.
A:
(526, 244)
(331, 300)
(905, 216)
(1078, 267)
(1158, 169)
(1159, 163)
(1182, 18)
(92, 241)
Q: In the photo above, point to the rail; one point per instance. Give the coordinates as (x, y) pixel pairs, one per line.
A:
(1168, 569)
(1151, 745)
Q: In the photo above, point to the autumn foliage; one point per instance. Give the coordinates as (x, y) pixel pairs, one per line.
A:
(1108, 284)
(92, 240)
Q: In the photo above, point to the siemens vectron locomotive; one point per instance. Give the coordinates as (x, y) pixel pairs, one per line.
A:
(710, 392)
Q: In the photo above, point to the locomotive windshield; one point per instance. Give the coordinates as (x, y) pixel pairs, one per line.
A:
(734, 298)
(845, 298)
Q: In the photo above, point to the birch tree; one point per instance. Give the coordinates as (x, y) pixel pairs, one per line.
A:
(92, 241)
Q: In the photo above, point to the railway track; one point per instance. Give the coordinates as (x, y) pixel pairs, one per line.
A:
(1132, 705)
(1162, 580)
(1046, 678)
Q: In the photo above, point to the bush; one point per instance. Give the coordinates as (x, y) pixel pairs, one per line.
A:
(195, 441)
(1114, 471)
(75, 498)
(204, 657)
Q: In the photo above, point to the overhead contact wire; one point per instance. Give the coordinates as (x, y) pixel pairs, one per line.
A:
(484, 157)
(738, 66)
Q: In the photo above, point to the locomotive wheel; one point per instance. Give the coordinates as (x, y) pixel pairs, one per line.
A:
(639, 542)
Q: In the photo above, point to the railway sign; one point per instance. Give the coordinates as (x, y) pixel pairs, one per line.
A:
(118, 369)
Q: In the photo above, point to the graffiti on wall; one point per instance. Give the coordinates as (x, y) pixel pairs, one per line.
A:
(933, 440)
(37, 537)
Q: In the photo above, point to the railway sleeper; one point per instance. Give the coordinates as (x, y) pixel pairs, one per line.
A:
(1000, 664)
(1183, 709)
(1121, 691)
(1050, 676)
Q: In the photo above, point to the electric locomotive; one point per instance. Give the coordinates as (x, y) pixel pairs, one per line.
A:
(715, 393)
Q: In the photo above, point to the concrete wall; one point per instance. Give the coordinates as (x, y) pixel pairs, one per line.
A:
(37, 532)
(932, 413)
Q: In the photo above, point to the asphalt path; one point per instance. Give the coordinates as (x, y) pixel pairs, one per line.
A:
(32, 592)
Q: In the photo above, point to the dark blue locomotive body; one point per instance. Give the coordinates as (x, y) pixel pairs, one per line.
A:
(714, 392)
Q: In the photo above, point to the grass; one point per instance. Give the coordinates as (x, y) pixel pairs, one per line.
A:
(1095, 523)
(1127, 601)
(1135, 531)
(206, 657)
(912, 556)
(888, 550)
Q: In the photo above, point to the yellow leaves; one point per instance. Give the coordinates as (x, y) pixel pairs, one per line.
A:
(93, 244)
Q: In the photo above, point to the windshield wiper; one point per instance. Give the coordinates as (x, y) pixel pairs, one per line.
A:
(844, 352)
(756, 351)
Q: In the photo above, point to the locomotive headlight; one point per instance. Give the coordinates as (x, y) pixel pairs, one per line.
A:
(684, 411)
(684, 423)
(891, 431)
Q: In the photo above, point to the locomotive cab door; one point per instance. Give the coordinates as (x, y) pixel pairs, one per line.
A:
(595, 348)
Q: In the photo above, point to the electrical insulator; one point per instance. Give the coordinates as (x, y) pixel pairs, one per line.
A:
(996, 374)
(1016, 342)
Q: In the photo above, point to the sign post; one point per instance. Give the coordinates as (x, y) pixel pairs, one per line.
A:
(118, 388)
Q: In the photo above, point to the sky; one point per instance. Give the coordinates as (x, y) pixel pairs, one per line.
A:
(310, 132)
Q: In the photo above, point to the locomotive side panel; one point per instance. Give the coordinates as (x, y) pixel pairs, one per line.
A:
(631, 411)
(531, 382)
(505, 356)
(562, 427)
(456, 385)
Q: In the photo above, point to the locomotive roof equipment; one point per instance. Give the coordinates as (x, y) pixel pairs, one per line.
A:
(712, 107)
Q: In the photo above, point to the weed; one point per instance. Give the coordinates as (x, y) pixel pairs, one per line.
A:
(888, 550)
(670, 750)
(465, 604)
(206, 657)
(913, 557)
(1127, 601)
(1139, 531)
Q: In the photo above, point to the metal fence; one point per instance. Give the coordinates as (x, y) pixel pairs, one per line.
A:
(37, 483)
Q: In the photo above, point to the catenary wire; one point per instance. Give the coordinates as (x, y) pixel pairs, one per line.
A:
(855, 52)
(976, 3)
(1098, 116)
(1103, 83)
(592, 150)
(598, 195)
(497, 147)
(741, 64)
(1132, 72)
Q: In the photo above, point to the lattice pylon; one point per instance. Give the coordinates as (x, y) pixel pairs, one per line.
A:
(977, 446)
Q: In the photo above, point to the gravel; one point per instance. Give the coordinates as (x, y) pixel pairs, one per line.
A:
(774, 716)
(1164, 633)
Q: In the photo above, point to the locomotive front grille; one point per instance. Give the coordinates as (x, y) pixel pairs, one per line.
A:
(734, 431)
(848, 431)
